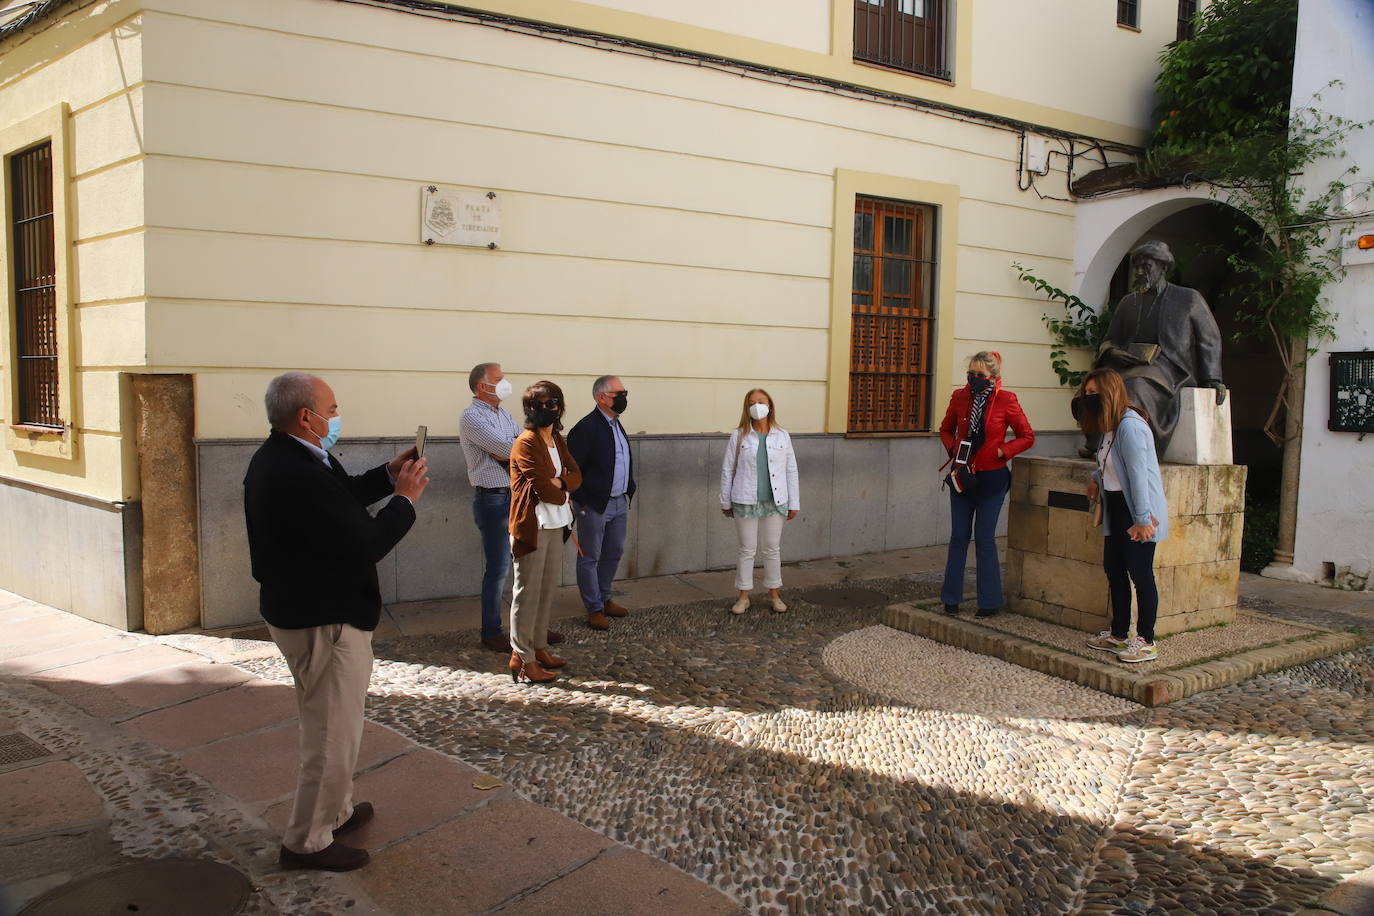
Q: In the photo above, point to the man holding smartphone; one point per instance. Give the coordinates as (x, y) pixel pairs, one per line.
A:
(314, 549)
(486, 432)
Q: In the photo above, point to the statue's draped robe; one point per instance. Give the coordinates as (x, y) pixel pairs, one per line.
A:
(1179, 321)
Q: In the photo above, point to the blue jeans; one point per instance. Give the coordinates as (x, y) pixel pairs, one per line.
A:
(601, 536)
(491, 512)
(974, 515)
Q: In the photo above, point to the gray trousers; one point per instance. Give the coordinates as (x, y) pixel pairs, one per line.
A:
(536, 579)
(331, 665)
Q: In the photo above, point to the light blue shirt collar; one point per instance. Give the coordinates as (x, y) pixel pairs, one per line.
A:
(319, 452)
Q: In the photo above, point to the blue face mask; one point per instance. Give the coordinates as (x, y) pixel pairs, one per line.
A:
(335, 424)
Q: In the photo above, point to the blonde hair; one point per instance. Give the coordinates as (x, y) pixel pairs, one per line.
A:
(745, 420)
(990, 360)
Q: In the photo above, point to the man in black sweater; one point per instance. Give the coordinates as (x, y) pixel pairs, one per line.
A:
(315, 550)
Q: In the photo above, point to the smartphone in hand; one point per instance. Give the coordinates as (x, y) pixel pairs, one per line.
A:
(421, 433)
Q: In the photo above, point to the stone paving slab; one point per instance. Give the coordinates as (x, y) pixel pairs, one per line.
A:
(246, 708)
(51, 819)
(412, 793)
(111, 669)
(476, 863)
(69, 652)
(1149, 688)
(623, 882)
(263, 766)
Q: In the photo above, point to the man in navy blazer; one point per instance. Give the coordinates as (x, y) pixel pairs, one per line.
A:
(602, 505)
(314, 549)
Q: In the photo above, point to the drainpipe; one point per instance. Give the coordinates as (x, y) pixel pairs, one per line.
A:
(1282, 565)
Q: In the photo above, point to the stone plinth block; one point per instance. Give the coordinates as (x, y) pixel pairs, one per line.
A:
(1054, 554)
(1203, 433)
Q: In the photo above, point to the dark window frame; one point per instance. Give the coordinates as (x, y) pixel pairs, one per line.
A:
(35, 342)
(1187, 13)
(907, 35)
(893, 299)
(1128, 14)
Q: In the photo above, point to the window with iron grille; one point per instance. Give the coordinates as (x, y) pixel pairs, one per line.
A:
(906, 34)
(1128, 13)
(893, 302)
(35, 287)
(1187, 9)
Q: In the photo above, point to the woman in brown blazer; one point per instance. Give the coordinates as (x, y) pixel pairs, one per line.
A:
(542, 474)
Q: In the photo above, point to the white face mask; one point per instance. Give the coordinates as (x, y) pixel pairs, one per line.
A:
(503, 390)
(758, 411)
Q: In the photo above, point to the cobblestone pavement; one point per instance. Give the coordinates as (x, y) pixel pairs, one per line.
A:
(817, 762)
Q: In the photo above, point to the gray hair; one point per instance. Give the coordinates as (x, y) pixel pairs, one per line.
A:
(286, 394)
(479, 374)
(602, 385)
(990, 360)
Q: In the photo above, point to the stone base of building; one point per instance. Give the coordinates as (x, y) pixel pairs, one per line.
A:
(1054, 553)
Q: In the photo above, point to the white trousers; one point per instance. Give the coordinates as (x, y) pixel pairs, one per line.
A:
(750, 529)
(331, 666)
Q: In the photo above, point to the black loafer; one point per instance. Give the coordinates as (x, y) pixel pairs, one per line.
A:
(985, 612)
(952, 610)
(362, 813)
(334, 857)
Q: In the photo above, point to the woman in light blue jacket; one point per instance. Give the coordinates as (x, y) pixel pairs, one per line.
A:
(759, 489)
(1135, 517)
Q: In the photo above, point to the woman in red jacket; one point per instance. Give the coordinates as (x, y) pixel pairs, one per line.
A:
(974, 433)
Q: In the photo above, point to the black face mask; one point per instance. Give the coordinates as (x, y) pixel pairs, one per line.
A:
(1086, 404)
(542, 416)
(618, 402)
(978, 382)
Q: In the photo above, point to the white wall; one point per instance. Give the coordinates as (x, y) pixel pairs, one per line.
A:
(1336, 495)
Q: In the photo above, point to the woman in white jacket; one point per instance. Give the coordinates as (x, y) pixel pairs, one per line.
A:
(759, 490)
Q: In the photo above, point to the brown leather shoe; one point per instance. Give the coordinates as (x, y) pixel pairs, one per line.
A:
(553, 637)
(598, 621)
(497, 645)
(334, 857)
(548, 659)
(529, 671)
(362, 813)
(614, 610)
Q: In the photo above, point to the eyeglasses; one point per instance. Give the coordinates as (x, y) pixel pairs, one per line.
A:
(973, 374)
(614, 393)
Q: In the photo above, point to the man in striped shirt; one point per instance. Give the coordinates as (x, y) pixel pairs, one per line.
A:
(486, 432)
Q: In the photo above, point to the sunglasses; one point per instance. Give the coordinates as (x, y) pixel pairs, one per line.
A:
(550, 404)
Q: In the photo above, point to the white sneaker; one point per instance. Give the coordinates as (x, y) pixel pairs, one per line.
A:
(740, 606)
(1138, 650)
(1107, 642)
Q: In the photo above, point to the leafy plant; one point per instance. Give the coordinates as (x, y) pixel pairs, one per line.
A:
(1224, 118)
(1081, 327)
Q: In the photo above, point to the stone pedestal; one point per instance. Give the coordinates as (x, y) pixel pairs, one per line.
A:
(1203, 433)
(1054, 554)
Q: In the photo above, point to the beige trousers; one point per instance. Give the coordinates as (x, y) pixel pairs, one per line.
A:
(332, 665)
(536, 578)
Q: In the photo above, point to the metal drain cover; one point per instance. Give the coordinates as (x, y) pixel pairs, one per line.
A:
(18, 750)
(846, 597)
(160, 887)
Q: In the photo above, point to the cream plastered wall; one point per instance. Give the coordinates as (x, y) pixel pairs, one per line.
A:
(1072, 55)
(82, 74)
(802, 24)
(985, 42)
(674, 225)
